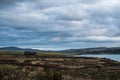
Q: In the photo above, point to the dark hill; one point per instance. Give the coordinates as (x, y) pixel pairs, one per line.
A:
(12, 48)
(99, 50)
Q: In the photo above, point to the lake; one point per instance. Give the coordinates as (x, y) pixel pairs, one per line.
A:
(110, 56)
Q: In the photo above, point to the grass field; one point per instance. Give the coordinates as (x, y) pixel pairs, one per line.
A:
(56, 66)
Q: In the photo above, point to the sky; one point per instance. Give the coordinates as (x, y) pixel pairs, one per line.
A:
(59, 24)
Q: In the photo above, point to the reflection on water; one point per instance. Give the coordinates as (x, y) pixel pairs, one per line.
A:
(110, 56)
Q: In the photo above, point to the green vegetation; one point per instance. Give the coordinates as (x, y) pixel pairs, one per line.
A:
(10, 53)
(55, 66)
(7, 72)
(52, 74)
(11, 72)
(39, 54)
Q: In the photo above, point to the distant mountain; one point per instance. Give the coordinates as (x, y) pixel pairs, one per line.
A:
(12, 48)
(99, 50)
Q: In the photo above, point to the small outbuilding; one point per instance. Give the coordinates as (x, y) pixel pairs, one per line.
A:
(30, 53)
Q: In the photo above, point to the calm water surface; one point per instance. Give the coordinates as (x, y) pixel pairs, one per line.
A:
(110, 56)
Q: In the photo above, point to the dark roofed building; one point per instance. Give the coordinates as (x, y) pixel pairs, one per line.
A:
(30, 53)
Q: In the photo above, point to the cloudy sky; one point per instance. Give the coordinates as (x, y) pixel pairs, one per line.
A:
(59, 24)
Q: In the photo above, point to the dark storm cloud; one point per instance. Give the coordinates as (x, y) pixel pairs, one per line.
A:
(7, 3)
